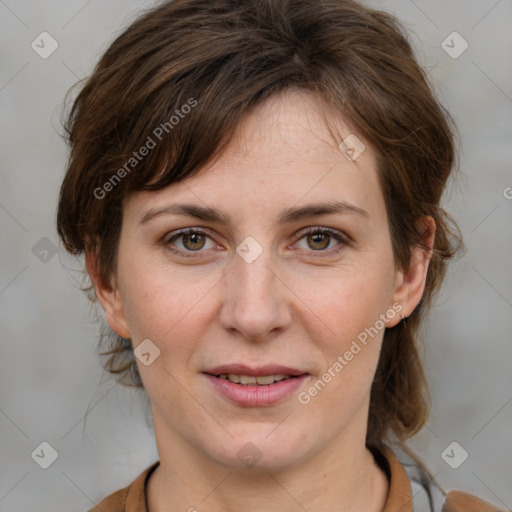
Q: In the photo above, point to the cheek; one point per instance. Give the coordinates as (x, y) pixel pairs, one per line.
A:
(350, 353)
(346, 302)
(347, 326)
(169, 306)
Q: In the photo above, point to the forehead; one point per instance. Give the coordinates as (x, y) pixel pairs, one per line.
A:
(283, 153)
(290, 126)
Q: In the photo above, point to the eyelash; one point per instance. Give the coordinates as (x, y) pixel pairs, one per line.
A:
(343, 239)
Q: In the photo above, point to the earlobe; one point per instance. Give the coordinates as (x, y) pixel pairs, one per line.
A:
(410, 283)
(109, 297)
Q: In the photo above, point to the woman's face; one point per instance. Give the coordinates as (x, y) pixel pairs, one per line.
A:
(288, 271)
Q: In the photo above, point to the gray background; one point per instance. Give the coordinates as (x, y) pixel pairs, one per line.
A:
(49, 371)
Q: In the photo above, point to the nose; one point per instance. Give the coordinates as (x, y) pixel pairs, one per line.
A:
(256, 301)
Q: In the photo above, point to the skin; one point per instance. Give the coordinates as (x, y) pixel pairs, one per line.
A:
(301, 303)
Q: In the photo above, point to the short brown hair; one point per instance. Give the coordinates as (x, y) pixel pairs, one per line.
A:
(228, 56)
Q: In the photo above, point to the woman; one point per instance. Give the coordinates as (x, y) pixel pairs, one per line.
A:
(256, 188)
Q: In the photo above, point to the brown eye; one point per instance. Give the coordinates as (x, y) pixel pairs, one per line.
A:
(322, 241)
(318, 241)
(189, 241)
(193, 241)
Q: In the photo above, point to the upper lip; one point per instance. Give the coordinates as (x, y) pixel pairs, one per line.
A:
(254, 371)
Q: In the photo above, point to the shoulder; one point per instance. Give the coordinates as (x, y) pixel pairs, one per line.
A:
(129, 499)
(413, 488)
(457, 501)
(115, 502)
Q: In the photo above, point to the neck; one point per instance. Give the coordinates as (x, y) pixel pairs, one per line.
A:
(341, 478)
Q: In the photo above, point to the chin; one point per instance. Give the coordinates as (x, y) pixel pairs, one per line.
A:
(260, 452)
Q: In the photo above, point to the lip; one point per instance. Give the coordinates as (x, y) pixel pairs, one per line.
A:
(255, 371)
(256, 396)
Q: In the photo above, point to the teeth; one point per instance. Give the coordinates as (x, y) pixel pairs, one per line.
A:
(253, 381)
(265, 380)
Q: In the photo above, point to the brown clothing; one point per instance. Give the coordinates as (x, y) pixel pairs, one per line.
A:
(400, 496)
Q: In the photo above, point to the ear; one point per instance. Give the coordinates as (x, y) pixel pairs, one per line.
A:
(109, 297)
(410, 283)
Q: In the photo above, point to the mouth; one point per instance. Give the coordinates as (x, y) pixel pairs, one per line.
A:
(255, 386)
(248, 380)
(263, 375)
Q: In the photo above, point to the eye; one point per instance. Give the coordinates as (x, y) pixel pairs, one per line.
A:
(191, 240)
(320, 240)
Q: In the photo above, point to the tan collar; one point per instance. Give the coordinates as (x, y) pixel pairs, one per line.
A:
(399, 494)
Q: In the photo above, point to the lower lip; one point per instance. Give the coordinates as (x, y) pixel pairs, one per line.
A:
(256, 396)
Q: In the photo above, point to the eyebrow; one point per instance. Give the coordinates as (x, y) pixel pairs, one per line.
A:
(286, 216)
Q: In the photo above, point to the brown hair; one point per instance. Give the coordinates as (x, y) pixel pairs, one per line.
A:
(222, 59)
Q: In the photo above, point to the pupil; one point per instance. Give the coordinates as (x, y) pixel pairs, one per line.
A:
(317, 239)
(193, 237)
